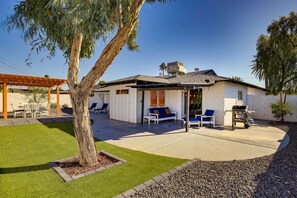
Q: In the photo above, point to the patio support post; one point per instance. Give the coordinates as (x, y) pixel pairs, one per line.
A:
(187, 110)
(58, 101)
(4, 95)
(142, 107)
(49, 99)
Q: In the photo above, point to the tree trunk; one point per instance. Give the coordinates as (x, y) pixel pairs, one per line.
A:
(281, 106)
(79, 92)
(83, 130)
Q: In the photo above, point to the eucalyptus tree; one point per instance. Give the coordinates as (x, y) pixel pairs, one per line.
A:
(162, 68)
(74, 27)
(276, 58)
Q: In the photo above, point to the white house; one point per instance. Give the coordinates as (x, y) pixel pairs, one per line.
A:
(207, 91)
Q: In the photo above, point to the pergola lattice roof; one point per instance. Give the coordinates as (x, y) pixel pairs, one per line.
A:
(31, 81)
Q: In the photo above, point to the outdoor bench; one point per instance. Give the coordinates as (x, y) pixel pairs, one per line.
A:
(161, 114)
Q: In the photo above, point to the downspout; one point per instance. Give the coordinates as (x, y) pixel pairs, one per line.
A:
(187, 110)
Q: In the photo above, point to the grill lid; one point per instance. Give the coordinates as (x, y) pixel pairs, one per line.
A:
(239, 107)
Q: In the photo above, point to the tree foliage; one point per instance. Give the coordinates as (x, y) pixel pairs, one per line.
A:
(51, 24)
(237, 78)
(36, 95)
(163, 68)
(276, 58)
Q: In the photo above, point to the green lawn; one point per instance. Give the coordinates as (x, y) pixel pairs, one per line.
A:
(26, 150)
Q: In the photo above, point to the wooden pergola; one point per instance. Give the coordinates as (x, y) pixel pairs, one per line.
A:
(30, 81)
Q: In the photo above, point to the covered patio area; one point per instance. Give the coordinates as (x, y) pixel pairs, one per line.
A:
(30, 81)
(169, 138)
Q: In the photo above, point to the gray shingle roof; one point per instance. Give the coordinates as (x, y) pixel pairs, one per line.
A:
(137, 78)
(196, 78)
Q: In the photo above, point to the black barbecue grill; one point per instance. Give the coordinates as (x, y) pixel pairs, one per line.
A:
(241, 114)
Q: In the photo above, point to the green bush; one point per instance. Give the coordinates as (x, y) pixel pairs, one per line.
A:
(64, 106)
(278, 113)
(53, 105)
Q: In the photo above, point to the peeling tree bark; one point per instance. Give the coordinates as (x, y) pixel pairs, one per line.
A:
(79, 92)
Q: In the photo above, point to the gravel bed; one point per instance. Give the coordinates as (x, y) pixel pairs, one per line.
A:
(269, 176)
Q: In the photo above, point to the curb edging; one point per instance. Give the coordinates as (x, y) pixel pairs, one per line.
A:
(154, 180)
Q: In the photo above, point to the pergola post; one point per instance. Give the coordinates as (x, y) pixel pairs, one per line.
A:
(187, 110)
(58, 101)
(4, 101)
(49, 100)
(142, 106)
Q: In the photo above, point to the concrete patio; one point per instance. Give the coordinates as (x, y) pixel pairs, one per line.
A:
(170, 139)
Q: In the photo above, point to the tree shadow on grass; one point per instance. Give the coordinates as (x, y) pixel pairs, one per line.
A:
(64, 126)
(12, 170)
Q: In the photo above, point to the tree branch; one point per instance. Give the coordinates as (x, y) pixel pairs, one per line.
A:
(111, 50)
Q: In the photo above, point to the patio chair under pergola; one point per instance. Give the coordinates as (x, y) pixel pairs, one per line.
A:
(30, 81)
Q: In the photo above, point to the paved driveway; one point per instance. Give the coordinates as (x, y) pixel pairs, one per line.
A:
(170, 139)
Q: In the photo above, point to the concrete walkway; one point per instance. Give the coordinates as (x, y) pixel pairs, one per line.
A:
(170, 139)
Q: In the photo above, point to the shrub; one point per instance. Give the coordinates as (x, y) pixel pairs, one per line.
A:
(278, 113)
(65, 106)
(53, 105)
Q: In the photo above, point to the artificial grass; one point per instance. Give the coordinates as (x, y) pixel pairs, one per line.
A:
(26, 150)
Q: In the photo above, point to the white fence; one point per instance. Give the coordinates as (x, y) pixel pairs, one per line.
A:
(261, 105)
(17, 99)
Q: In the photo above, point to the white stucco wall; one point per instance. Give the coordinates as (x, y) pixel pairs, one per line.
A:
(17, 99)
(231, 98)
(96, 99)
(222, 96)
(173, 100)
(213, 98)
(123, 106)
(99, 98)
(261, 104)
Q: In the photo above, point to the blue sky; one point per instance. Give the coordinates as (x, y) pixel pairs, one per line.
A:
(207, 34)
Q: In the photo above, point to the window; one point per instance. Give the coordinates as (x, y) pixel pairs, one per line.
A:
(157, 98)
(122, 91)
(161, 98)
(239, 95)
(154, 98)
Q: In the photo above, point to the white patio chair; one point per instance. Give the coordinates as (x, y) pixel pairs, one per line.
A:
(28, 111)
(17, 112)
(37, 111)
(44, 111)
(207, 118)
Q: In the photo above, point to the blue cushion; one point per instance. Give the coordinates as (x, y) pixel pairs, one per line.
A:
(162, 111)
(152, 110)
(166, 115)
(209, 112)
(204, 119)
(192, 119)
